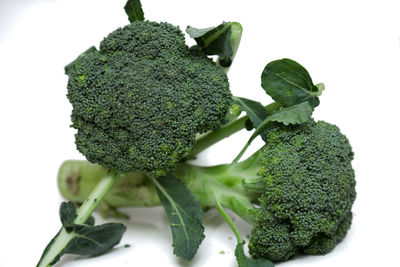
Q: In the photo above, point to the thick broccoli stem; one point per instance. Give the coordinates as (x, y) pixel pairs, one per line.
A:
(62, 239)
(225, 131)
(77, 178)
(228, 181)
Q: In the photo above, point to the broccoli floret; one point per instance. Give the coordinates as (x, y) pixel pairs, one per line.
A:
(140, 100)
(309, 191)
(297, 191)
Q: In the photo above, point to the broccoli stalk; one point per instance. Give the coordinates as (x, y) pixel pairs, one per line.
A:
(138, 104)
(66, 235)
(76, 179)
(297, 191)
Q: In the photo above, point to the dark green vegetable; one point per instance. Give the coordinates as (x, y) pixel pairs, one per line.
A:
(309, 191)
(138, 104)
(303, 182)
(140, 100)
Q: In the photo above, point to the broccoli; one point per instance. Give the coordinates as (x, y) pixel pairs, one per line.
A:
(140, 100)
(137, 105)
(297, 190)
(309, 191)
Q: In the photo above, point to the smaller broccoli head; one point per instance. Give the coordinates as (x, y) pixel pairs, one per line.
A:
(140, 100)
(310, 189)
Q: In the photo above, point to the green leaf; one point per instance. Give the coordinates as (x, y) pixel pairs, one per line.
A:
(95, 240)
(255, 110)
(133, 8)
(233, 113)
(215, 41)
(184, 213)
(67, 212)
(245, 261)
(88, 240)
(289, 83)
(296, 114)
(202, 34)
(90, 221)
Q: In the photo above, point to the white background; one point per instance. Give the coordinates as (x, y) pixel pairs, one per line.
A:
(351, 46)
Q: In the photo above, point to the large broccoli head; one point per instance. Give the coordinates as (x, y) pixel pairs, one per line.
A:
(310, 189)
(139, 101)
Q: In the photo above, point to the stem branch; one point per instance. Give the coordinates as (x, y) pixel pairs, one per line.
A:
(60, 242)
(213, 137)
(228, 219)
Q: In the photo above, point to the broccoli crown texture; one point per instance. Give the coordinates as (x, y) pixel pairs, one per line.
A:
(139, 101)
(310, 189)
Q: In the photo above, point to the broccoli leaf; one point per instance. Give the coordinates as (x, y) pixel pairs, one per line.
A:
(289, 83)
(214, 41)
(184, 213)
(90, 221)
(244, 261)
(86, 239)
(296, 114)
(133, 9)
(67, 212)
(95, 240)
(233, 113)
(253, 109)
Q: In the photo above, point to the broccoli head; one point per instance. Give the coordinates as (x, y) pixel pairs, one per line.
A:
(309, 191)
(139, 101)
